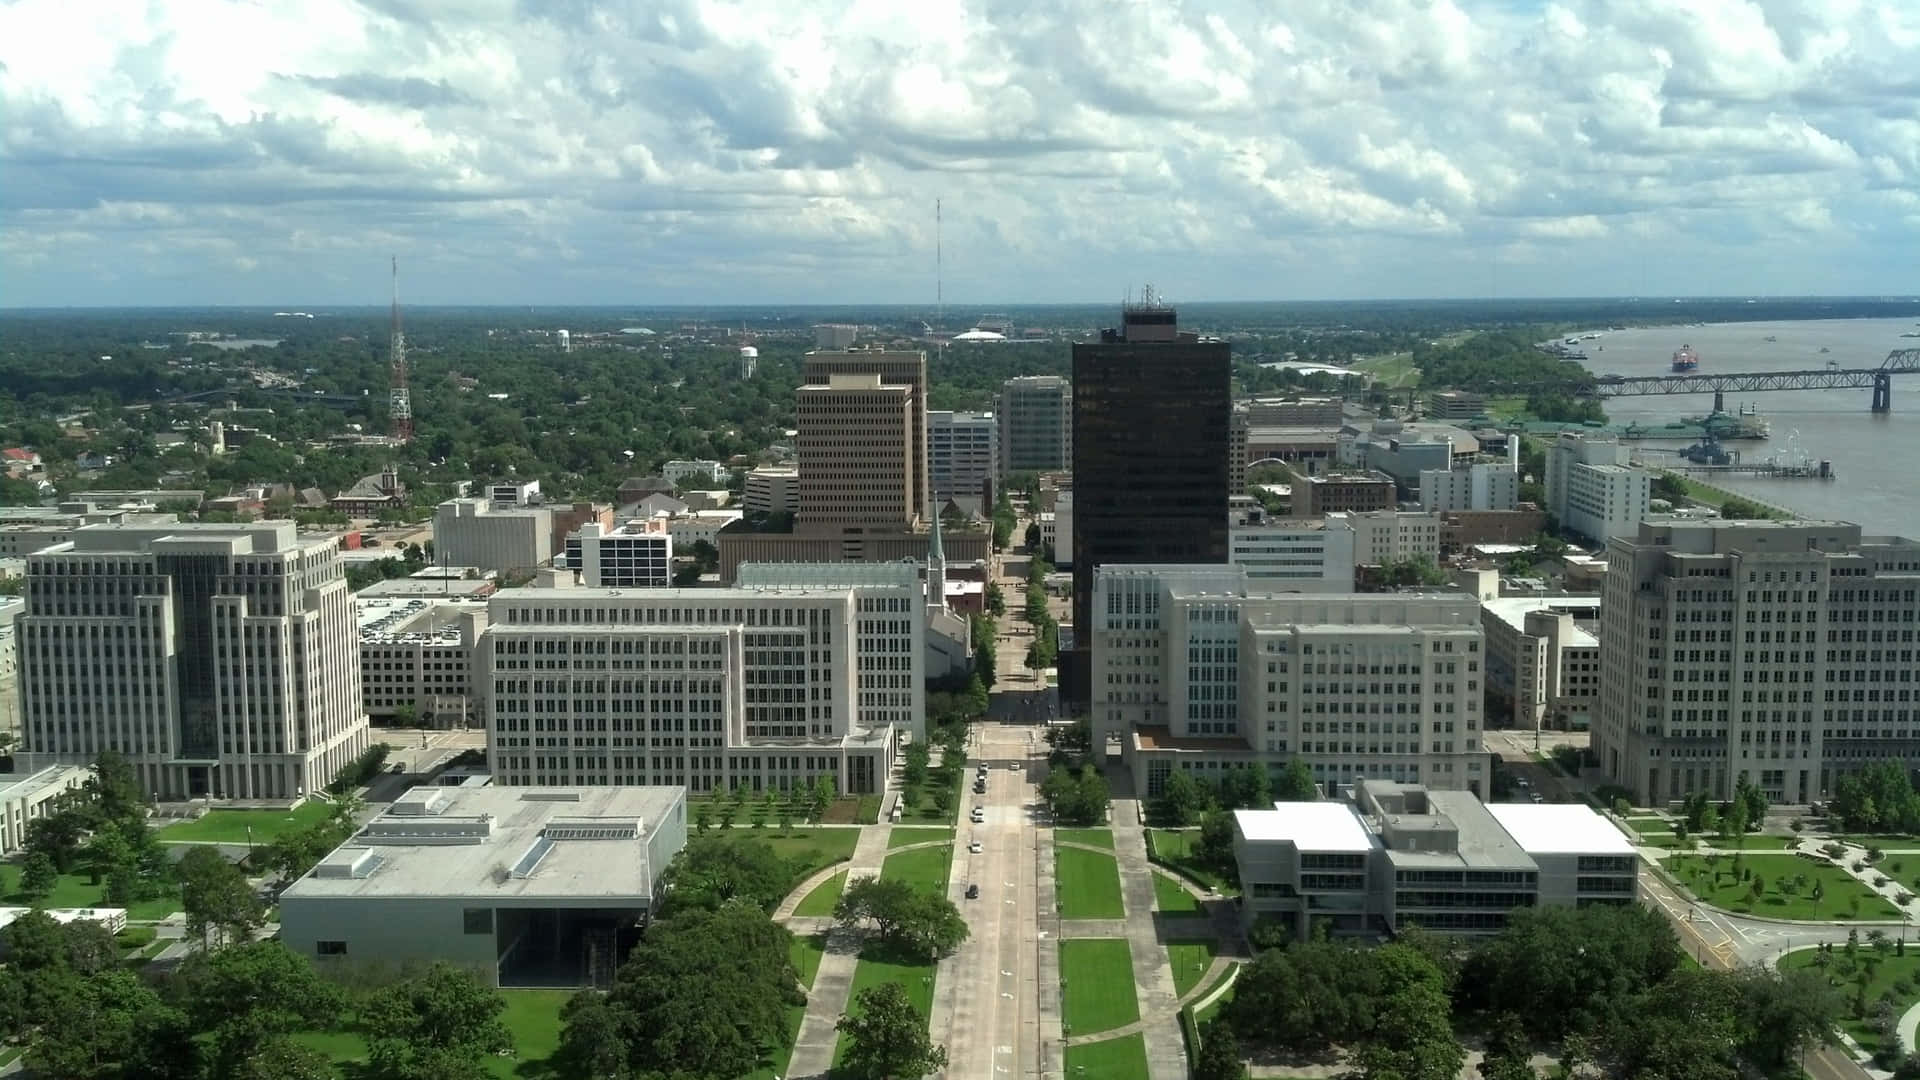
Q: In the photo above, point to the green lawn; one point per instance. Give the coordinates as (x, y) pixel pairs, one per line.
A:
(805, 953)
(1172, 897)
(927, 868)
(230, 826)
(821, 900)
(533, 1016)
(1880, 840)
(877, 965)
(1190, 960)
(1091, 837)
(903, 835)
(1656, 839)
(1088, 884)
(1201, 1017)
(73, 891)
(809, 850)
(1726, 890)
(917, 804)
(1175, 849)
(1109, 1059)
(1881, 977)
(1750, 843)
(1096, 985)
(1393, 369)
(1648, 819)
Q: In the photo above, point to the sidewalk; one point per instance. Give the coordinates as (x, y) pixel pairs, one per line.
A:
(1152, 970)
(833, 983)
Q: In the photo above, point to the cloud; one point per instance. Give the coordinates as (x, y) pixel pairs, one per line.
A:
(750, 151)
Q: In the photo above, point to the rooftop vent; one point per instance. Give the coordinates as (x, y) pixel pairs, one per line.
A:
(549, 796)
(348, 862)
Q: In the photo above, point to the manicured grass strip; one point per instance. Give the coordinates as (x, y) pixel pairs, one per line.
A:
(821, 900)
(532, 1016)
(1881, 840)
(1096, 985)
(1842, 971)
(877, 965)
(809, 850)
(1110, 1059)
(230, 826)
(805, 952)
(1190, 960)
(1172, 897)
(1175, 849)
(1842, 896)
(1091, 837)
(903, 835)
(73, 891)
(1750, 843)
(926, 868)
(1649, 819)
(1088, 884)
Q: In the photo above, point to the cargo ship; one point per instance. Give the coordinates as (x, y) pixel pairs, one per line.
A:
(1685, 359)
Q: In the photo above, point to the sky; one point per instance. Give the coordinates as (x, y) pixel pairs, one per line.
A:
(703, 151)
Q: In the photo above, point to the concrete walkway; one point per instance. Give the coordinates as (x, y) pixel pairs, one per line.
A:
(1215, 970)
(833, 983)
(1152, 970)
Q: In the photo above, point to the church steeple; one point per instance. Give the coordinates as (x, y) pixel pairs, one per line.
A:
(936, 565)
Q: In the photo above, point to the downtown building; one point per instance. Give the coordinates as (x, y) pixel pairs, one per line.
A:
(221, 660)
(799, 671)
(1035, 416)
(1594, 490)
(963, 456)
(1781, 651)
(1202, 668)
(1152, 412)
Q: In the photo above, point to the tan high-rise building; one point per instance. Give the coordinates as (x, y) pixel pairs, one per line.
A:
(856, 453)
(221, 660)
(903, 369)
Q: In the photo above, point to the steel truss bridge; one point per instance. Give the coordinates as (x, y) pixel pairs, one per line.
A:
(1880, 379)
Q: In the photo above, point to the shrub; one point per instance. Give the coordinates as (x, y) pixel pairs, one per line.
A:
(135, 937)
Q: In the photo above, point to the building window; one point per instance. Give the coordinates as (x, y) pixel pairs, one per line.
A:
(477, 920)
(330, 948)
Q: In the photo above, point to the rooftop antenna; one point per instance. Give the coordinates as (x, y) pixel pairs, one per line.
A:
(939, 284)
(399, 399)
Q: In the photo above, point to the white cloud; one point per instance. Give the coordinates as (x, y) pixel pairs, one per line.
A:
(733, 150)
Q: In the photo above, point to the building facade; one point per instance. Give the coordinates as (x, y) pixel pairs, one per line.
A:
(963, 454)
(1286, 554)
(1195, 667)
(1035, 415)
(772, 489)
(1593, 490)
(1384, 536)
(801, 671)
(1317, 496)
(681, 473)
(638, 555)
(417, 660)
(1387, 856)
(10, 609)
(1152, 407)
(1456, 405)
(477, 532)
(26, 799)
(907, 370)
(1543, 658)
(220, 659)
(1476, 486)
(1782, 651)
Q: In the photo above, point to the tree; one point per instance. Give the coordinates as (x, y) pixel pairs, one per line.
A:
(439, 1024)
(1033, 537)
(1076, 796)
(58, 836)
(1782, 1013)
(284, 1059)
(1413, 1038)
(38, 876)
(1219, 1057)
(593, 1037)
(1306, 997)
(1684, 1026)
(1296, 783)
(887, 1037)
(1743, 509)
(218, 901)
(249, 995)
(95, 1033)
(1215, 847)
(996, 599)
(922, 923)
(1181, 799)
(715, 869)
(1561, 969)
(1246, 786)
(914, 771)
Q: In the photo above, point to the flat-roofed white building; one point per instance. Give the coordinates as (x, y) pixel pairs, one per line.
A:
(798, 671)
(493, 536)
(772, 489)
(222, 660)
(546, 886)
(28, 798)
(417, 653)
(1291, 554)
(1543, 655)
(1200, 668)
(1470, 486)
(1593, 489)
(1386, 856)
(1384, 536)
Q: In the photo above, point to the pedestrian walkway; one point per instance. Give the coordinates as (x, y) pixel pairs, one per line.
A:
(1152, 970)
(833, 983)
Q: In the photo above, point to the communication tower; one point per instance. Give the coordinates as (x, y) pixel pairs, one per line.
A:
(400, 399)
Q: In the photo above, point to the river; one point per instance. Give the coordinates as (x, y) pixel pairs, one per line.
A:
(1874, 456)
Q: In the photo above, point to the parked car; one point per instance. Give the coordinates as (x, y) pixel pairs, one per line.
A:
(973, 892)
(978, 816)
(974, 847)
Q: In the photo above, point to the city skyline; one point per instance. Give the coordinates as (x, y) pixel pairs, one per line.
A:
(793, 154)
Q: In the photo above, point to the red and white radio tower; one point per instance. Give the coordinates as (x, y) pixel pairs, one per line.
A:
(400, 400)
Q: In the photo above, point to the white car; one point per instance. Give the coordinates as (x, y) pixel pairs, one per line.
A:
(974, 847)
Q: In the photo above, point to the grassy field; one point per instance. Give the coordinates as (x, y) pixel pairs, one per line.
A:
(1880, 840)
(902, 835)
(1175, 849)
(878, 965)
(1638, 820)
(1190, 960)
(926, 868)
(1896, 975)
(1394, 369)
(1749, 843)
(533, 1016)
(1171, 897)
(810, 850)
(821, 900)
(1102, 838)
(230, 826)
(1843, 897)
(1089, 884)
(73, 891)
(1110, 1059)
(1096, 985)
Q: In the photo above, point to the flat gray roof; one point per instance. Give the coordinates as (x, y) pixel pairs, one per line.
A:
(1481, 842)
(587, 845)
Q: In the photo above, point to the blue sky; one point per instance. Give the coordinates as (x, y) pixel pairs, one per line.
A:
(685, 151)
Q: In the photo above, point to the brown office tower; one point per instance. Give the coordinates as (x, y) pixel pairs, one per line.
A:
(905, 369)
(1151, 412)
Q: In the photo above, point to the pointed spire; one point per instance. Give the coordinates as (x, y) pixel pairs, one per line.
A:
(934, 549)
(936, 565)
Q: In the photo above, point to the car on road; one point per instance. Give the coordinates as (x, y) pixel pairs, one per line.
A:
(978, 816)
(1537, 797)
(973, 892)
(974, 847)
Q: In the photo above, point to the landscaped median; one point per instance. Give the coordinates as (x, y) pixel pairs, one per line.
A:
(1124, 1058)
(1096, 985)
(1087, 884)
(926, 869)
(241, 826)
(1788, 887)
(1862, 976)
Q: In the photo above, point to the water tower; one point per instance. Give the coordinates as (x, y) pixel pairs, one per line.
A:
(749, 358)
